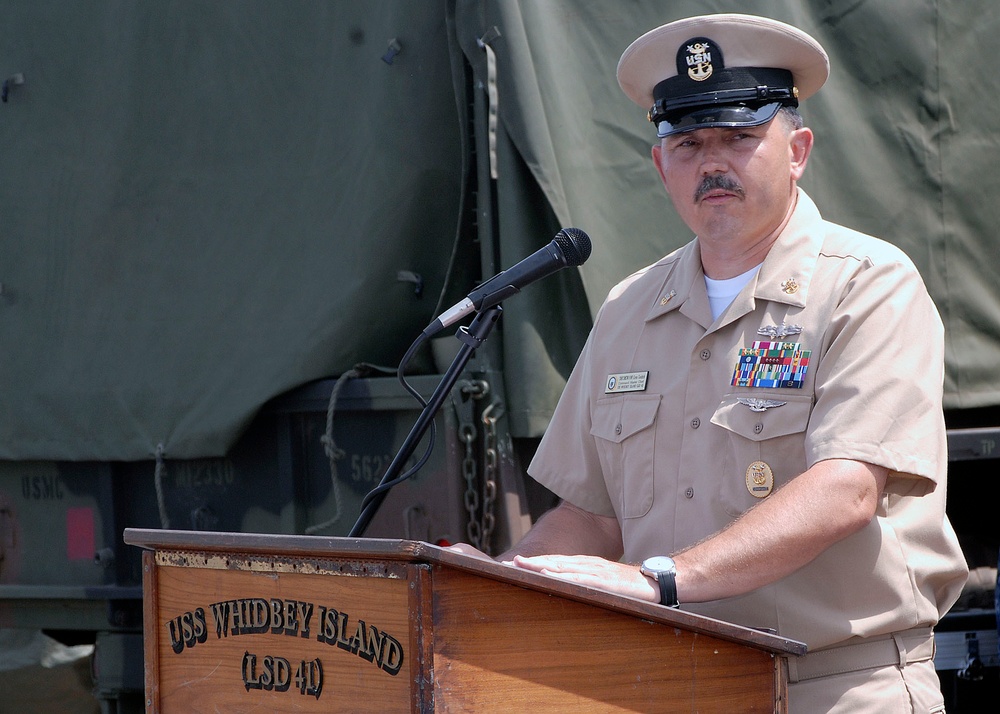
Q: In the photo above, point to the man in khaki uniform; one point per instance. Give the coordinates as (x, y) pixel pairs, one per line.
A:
(754, 429)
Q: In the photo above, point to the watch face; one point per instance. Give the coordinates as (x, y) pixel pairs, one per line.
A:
(659, 564)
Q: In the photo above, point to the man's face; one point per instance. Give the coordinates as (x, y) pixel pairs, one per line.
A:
(734, 184)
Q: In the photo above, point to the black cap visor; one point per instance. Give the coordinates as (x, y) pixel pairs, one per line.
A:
(728, 116)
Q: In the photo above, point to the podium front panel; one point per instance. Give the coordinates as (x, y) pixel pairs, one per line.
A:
(238, 634)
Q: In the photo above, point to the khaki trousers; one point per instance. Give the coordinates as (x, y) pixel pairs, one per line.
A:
(887, 675)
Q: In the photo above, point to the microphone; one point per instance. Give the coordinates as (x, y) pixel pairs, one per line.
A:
(571, 246)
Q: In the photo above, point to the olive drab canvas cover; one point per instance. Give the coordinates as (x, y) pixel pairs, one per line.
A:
(204, 205)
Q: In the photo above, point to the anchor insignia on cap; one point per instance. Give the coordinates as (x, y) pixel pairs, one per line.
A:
(759, 405)
(699, 61)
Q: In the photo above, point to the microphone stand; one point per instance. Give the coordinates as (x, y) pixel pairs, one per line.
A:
(472, 337)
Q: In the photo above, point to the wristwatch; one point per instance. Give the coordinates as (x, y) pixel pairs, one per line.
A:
(663, 570)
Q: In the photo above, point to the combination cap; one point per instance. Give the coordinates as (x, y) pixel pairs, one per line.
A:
(724, 70)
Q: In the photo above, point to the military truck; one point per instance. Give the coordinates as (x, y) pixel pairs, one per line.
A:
(224, 224)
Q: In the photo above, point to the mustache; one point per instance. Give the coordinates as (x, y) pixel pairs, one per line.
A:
(718, 181)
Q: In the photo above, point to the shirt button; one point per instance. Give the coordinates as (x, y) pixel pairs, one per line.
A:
(705, 354)
(689, 492)
(618, 428)
(758, 428)
(695, 423)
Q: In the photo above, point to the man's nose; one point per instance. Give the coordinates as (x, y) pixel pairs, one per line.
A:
(713, 160)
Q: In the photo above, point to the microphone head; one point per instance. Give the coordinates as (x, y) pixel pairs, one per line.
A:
(574, 244)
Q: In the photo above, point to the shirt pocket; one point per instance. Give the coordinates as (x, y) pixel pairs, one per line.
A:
(624, 427)
(773, 436)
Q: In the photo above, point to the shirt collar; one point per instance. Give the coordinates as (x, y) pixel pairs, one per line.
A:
(788, 268)
(784, 275)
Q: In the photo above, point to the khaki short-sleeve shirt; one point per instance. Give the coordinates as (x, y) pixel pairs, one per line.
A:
(675, 424)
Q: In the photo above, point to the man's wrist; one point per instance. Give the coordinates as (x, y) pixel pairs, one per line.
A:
(663, 571)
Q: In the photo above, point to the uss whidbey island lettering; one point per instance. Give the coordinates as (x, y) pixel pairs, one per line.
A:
(287, 620)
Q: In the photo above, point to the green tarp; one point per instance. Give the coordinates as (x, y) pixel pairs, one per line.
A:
(207, 204)
(203, 205)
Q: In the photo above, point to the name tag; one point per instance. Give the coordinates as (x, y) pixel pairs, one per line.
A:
(626, 382)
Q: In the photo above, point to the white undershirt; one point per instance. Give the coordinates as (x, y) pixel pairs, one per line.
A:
(722, 292)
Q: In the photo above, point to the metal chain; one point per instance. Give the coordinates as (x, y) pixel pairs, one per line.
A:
(491, 458)
(472, 390)
(467, 433)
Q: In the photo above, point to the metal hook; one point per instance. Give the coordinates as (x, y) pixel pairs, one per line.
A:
(8, 84)
(408, 276)
(394, 49)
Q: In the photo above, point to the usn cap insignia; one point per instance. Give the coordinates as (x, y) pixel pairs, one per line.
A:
(698, 57)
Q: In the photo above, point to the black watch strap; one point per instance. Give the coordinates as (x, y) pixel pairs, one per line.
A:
(668, 588)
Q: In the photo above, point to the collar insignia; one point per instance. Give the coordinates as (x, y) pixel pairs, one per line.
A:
(759, 405)
(779, 331)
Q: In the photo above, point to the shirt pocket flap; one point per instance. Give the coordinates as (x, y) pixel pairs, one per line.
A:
(758, 419)
(618, 418)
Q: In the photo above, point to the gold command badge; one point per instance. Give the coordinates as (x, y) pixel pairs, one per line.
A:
(760, 479)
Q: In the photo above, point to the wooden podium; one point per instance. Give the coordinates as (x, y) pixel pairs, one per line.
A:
(245, 622)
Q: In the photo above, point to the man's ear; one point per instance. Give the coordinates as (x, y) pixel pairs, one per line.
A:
(800, 145)
(658, 162)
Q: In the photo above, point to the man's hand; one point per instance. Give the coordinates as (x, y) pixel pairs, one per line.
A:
(593, 572)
